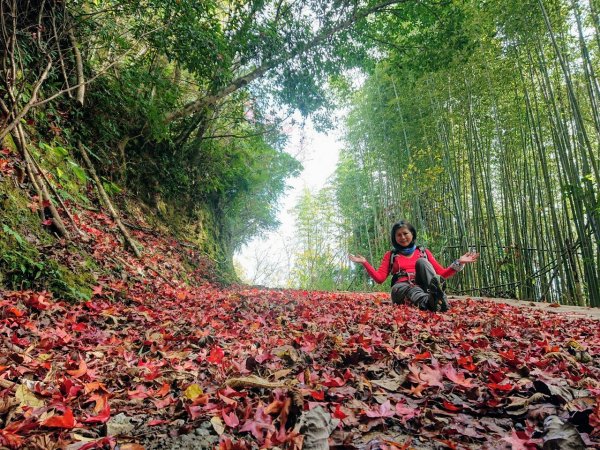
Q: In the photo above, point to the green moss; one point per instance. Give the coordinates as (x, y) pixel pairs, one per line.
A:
(22, 265)
(69, 284)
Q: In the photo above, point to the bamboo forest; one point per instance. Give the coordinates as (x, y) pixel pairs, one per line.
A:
(437, 288)
(493, 147)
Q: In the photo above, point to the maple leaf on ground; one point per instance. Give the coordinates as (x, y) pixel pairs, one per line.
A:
(80, 371)
(456, 377)
(164, 402)
(230, 419)
(38, 300)
(405, 412)
(259, 425)
(56, 421)
(422, 356)
(9, 436)
(164, 390)
(102, 407)
(105, 442)
(93, 387)
(430, 376)
(97, 290)
(216, 356)
(466, 362)
(497, 332)
(509, 356)
(317, 395)
(275, 407)
(330, 381)
(517, 443)
(15, 311)
(450, 406)
(70, 389)
(139, 392)
(229, 392)
(193, 391)
(383, 410)
(195, 411)
(338, 413)
(504, 387)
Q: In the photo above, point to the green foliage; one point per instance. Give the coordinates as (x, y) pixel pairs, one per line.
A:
(320, 251)
(251, 201)
(22, 265)
(176, 28)
(69, 176)
(472, 127)
(147, 61)
(135, 99)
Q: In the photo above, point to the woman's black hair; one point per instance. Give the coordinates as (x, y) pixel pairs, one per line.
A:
(403, 224)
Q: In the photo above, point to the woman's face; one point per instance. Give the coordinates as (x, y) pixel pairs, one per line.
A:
(403, 236)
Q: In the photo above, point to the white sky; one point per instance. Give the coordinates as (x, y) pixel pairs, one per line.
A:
(267, 261)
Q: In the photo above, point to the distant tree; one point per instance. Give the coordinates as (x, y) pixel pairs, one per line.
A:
(320, 252)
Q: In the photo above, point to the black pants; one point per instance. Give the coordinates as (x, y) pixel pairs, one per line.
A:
(415, 292)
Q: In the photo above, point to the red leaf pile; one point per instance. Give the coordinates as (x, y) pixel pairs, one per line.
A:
(150, 360)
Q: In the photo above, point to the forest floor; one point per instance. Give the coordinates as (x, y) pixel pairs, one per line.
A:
(163, 357)
(566, 310)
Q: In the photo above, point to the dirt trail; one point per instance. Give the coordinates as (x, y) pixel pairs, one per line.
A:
(567, 310)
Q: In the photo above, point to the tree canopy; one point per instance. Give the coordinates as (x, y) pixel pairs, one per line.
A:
(181, 102)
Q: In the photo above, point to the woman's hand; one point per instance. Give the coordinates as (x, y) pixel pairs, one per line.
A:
(469, 257)
(357, 258)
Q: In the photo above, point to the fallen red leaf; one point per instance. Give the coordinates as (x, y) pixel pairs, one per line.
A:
(422, 356)
(216, 356)
(450, 406)
(65, 421)
(318, 395)
(338, 413)
(230, 419)
(406, 412)
(164, 390)
(156, 422)
(80, 371)
(457, 378)
(497, 332)
(103, 408)
(383, 410)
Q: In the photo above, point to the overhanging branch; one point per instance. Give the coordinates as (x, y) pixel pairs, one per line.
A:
(238, 83)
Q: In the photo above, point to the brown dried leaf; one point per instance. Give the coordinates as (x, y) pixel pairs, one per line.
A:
(391, 384)
(561, 435)
(6, 403)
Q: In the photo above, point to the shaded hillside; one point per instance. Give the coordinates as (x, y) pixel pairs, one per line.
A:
(34, 256)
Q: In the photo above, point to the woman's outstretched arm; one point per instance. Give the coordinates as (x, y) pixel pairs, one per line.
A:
(379, 275)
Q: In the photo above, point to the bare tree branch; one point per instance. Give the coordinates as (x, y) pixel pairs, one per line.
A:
(30, 104)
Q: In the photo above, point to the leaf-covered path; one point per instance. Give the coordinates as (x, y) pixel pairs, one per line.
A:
(486, 374)
(150, 362)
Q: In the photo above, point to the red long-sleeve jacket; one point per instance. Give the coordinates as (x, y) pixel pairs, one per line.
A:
(407, 263)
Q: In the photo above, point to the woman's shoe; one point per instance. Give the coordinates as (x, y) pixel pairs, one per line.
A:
(437, 294)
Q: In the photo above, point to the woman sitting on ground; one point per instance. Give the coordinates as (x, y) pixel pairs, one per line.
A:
(416, 275)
